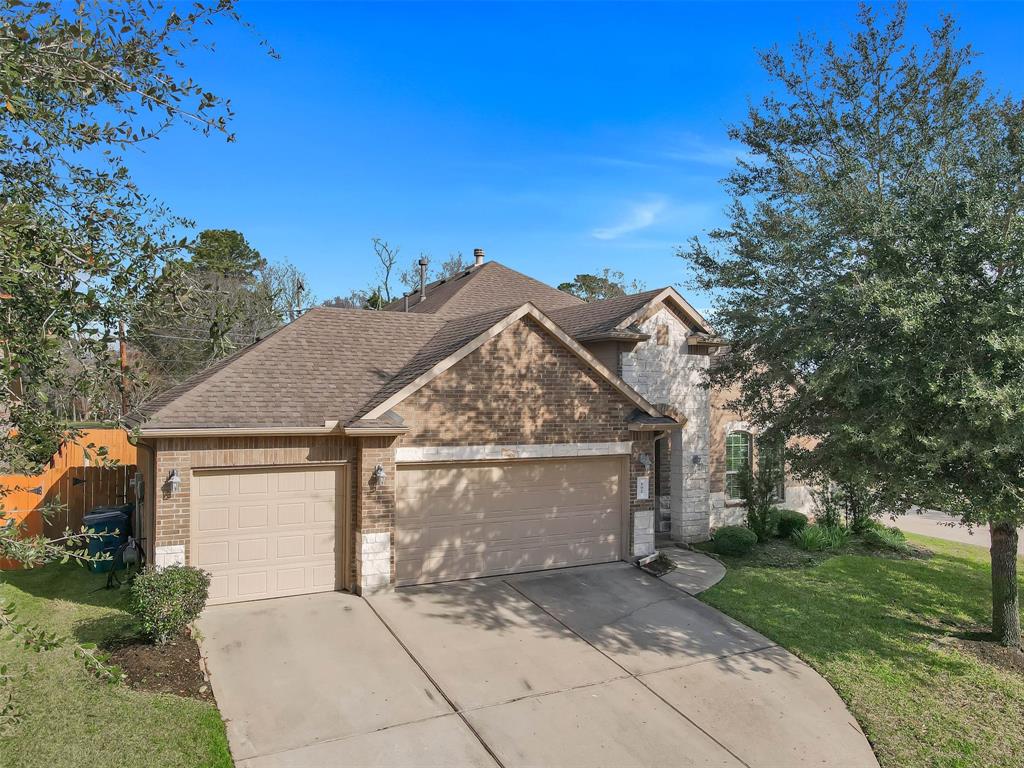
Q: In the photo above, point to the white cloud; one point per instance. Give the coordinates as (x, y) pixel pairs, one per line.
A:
(640, 216)
(694, 149)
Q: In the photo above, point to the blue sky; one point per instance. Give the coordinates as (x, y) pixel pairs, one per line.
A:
(562, 138)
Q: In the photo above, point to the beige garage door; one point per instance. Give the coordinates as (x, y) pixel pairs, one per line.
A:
(265, 532)
(457, 521)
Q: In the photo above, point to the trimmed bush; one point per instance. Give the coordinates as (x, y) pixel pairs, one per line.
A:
(735, 540)
(788, 522)
(815, 538)
(881, 537)
(166, 601)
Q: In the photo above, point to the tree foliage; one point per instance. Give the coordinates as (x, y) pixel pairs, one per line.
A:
(80, 84)
(606, 285)
(200, 309)
(871, 279)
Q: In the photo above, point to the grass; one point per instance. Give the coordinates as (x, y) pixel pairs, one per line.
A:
(72, 719)
(877, 628)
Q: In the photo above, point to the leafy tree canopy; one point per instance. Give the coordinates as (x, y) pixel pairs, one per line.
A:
(79, 241)
(226, 252)
(606, 285)
(871, 277)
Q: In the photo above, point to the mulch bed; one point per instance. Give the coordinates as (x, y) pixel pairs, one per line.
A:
(981, 645)
(174, 667)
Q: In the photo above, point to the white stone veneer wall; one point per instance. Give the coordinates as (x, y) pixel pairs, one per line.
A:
(373, 550)
(668, 375)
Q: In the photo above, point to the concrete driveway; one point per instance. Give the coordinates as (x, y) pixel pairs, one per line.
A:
(592, 666)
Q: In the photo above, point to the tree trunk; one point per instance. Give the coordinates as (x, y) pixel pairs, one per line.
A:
(1005, 608)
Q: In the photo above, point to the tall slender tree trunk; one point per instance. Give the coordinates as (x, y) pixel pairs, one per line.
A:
(1005, 606)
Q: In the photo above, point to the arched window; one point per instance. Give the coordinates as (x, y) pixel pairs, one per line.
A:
(738, 456)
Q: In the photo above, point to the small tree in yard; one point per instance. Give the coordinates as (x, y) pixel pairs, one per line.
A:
(871, 278)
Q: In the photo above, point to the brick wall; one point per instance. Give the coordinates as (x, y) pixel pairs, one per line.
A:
(520, 387)
(172, 524)
(374, 561)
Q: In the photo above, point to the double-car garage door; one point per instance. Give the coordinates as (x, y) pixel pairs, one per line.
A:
(271, 532)
(456, 521)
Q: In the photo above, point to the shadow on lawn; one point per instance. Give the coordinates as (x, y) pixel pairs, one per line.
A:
(75, 585)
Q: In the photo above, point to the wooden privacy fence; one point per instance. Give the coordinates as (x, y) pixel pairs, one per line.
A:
(77, 482)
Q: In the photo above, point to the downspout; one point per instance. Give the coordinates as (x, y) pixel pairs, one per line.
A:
(149, 491)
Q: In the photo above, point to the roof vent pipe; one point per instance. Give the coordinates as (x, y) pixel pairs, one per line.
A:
(478, 257)
(407, 302)
(423, 277)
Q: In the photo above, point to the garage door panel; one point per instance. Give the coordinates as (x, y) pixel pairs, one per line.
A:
(260, 545)
(461, 521)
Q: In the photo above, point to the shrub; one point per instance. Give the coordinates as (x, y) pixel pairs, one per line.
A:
(758, 493)
(788, 522)
(734, 540)
(815, 538)
(810, 538)
(166, 601)
(886, 538)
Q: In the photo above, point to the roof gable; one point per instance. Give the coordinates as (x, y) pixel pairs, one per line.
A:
(445, 356)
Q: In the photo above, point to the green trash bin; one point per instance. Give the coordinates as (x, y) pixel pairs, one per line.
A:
(113, 525)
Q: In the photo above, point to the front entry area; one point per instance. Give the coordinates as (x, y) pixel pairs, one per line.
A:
(266, 532)
(463, 520)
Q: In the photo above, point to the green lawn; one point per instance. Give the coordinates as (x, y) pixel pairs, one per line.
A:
(876, 629)
(72, 719)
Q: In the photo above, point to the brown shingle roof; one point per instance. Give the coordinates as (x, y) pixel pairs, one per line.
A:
(592, 320)
(322, 367)
(482, 289)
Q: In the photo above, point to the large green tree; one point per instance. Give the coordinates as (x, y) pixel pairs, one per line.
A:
(221, 298)
(80, 85)
(871, 276)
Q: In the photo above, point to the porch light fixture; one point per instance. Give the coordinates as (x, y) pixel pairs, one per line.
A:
(174, 481)
(696, 459)
(379, 475)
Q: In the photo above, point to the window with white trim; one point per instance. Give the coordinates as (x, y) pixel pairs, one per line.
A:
(738, 457)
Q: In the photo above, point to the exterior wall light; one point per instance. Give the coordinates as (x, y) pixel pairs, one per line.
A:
(379, 475)
(696, 459)
(174, 481)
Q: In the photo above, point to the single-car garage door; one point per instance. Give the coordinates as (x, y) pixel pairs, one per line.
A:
(456, 521)
(266, 532)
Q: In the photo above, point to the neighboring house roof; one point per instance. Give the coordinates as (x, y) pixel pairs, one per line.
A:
(344, 366)
(484, 288)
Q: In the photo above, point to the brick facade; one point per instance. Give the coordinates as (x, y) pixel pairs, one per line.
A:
(374, 524)
(171, 520)
(522, 387)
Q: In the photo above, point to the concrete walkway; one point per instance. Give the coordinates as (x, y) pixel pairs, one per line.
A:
(593, 666)
(695, 571)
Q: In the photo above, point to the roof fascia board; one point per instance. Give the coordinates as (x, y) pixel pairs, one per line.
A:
(523, 311)
(331, 428)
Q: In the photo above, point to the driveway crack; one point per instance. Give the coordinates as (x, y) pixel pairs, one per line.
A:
(461, 715)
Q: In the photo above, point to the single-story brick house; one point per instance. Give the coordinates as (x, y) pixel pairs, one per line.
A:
(485, 424)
